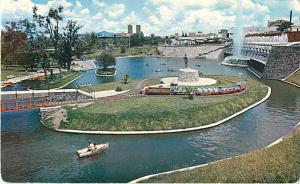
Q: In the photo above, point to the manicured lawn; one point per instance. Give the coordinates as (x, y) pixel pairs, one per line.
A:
(295, 78)
(110, 86)
(57, 81)
(161, 112)
(153, 81)
(277, 164)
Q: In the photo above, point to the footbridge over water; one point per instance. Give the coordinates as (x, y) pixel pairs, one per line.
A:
(271, 60)
(19, 100)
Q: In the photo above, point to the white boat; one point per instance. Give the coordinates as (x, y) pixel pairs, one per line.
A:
(85, 152)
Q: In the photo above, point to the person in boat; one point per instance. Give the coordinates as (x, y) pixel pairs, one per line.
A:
(91, 146)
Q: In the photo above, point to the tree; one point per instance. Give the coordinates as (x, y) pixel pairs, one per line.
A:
(285, 25)
(29, 28)
(70, 38)
(107, 59)
(123, 50)
(137, 39)
(43, 58)
(13, 43)
(190, 92)
(125, 78)
(51, 25)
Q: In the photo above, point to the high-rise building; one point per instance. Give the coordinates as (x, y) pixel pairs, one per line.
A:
(138, 28)
(130, 29)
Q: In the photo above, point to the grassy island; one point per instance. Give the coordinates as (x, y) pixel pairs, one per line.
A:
(56, 81)
(111, 86)
(295, 78)
(161, 112)
(277, 164)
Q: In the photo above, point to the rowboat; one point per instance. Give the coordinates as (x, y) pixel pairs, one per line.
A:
(85, 152)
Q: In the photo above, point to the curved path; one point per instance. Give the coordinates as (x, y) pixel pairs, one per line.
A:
(169, 131)
(133, 92)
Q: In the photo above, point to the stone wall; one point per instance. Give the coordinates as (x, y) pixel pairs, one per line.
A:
(191, 52)
(282, 61)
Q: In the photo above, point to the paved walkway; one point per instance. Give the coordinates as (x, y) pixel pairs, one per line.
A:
(107, 93)
(200, 82)
(130, 93)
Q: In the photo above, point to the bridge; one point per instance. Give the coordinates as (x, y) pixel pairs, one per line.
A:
(271, 60)
(20, 100)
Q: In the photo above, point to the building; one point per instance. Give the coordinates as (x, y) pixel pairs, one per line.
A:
(223, 33)
(252, 30)
(192, 34)
(130, 29)
(295, 28)
(138, 28)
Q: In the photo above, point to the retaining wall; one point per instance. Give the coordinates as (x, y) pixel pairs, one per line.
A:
(191, 52)
(282, 61)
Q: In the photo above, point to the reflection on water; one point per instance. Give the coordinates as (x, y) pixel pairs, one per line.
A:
(144, 67)
(32, 153)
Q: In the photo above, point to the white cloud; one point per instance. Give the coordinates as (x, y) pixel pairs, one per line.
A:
(116, 10)
(154, 20)
(99, 4)
(166, 14)
(78, 4)
(295, 5)
(158, 16)
(98, 16)
(184, 3)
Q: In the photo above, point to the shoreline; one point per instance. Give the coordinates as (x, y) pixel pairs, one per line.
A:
(69, 82)
(105, 75)
(256, 74)
(206, 164)
(290, 83)
(169, 131)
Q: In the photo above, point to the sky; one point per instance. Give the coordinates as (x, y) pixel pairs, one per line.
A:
(161, 17)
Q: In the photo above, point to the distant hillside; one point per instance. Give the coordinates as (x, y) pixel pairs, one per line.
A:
(105, 34)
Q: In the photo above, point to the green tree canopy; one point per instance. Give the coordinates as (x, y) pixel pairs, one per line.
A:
(107, 59)
(285, 25)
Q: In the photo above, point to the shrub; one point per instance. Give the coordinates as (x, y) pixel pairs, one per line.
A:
(118, 88)
(125, 78)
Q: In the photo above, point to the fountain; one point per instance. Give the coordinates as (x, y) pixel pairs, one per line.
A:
(238, 38)
(188, 77)
(238, 31)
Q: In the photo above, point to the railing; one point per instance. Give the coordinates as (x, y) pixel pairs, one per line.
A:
(22, 104)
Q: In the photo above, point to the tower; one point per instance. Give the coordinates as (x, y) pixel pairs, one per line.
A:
(138, 29)
(130, 29)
